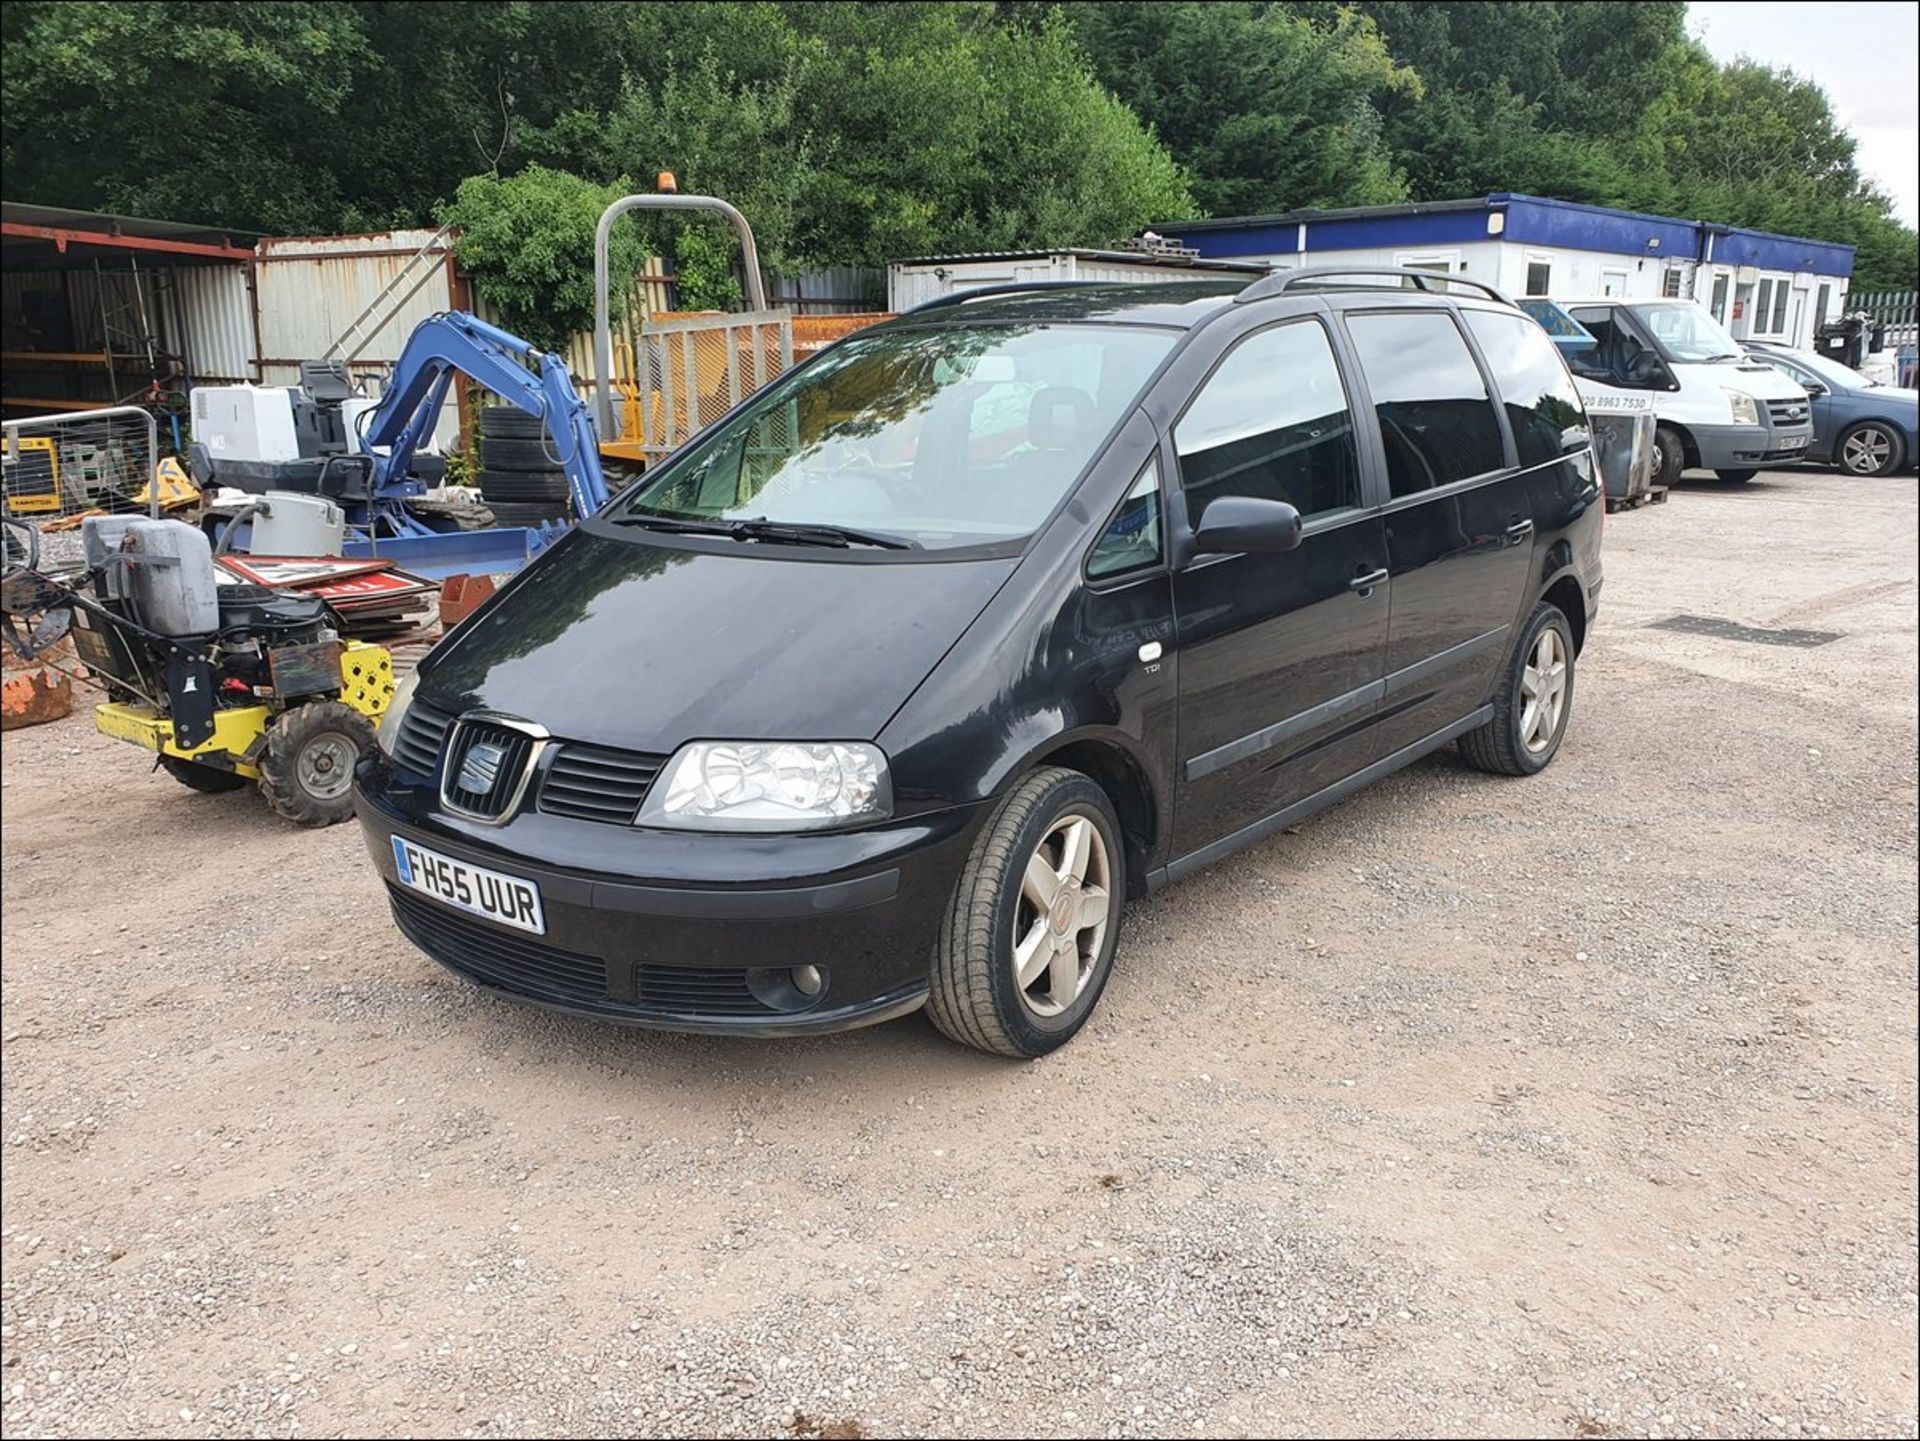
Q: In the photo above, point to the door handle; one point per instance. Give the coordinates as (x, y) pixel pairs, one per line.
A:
(1367, 580)
(1520, 530)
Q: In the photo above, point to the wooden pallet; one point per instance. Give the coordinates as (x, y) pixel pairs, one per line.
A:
(1653, 495)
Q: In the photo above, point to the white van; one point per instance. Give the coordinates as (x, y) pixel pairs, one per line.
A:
(1717, 408)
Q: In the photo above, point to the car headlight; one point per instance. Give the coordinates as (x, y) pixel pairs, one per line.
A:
(769, 786)
(390, 718)
(1746, 411)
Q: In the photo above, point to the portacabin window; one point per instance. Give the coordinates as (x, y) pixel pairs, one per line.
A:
(1436, 416)
(1539, 277)
(1272, 422)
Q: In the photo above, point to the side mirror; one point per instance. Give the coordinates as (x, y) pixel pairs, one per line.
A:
(1245, 524)
(1814, 388)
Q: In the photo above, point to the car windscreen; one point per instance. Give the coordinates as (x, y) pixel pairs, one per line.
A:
(1687, 331)
(941, 437)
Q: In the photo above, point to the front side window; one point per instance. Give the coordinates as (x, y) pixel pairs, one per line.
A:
(1436, 417)
(1543, 408)
(941, 438)
(1131, 540)
(1271, 422)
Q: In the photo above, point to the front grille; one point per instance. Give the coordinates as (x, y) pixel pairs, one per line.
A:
(696, 993)
(524, 965)
(598, 783)
(499, 755)
(416, 747)
(1788, 412)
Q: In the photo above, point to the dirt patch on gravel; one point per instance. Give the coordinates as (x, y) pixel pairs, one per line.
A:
(1581, 1105)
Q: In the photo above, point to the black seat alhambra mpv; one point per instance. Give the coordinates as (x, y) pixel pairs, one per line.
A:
(889, 689)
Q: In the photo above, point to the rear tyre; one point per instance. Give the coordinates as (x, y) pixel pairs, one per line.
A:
(1028, 940)
(208, 780)
(509, 452)
(1669, 455)
(1736, 477)
(523, 485)
(306, 773)
(1534, 702)
(526, 513)
(1871, 449)
(504, 421)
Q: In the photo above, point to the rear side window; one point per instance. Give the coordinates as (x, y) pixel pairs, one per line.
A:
(1542, 406)
(1436, 417)
(1271, 422)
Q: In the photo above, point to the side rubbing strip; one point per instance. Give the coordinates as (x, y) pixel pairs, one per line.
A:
(1410, 676)
(1266, 739)
(1329, 711)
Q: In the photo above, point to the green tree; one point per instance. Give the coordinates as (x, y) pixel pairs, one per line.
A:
(527, 241)
(188, 111)
(1268, 109)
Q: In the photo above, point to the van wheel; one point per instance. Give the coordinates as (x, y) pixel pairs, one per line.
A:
(1533, 705)
(1028, 942)
(1669, 455)
(306, 772)
(1736, 477)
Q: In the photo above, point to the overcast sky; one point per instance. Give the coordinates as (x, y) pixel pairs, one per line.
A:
(1865, 56)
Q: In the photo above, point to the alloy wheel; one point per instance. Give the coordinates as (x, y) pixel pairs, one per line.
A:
(1060, 920)
(1544, 685)
(1867, 450)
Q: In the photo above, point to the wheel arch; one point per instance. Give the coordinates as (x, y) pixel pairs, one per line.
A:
(1112, 763)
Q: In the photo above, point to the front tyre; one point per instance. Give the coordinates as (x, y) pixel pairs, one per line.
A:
(1870, 448)
(1533, 704)
(306, 773)
(1669, 456)
(1028, 941)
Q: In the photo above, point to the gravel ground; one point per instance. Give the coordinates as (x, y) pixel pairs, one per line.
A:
(1580, 1105)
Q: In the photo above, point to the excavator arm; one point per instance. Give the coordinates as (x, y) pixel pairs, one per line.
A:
(518, 372)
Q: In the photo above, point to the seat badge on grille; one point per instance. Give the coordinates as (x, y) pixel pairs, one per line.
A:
(481, 768)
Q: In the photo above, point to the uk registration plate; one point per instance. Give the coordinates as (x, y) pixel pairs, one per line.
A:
(503, 898)
(1793, 442)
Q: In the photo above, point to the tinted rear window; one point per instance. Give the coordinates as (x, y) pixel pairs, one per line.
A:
(1436, 417)
(1542, 406)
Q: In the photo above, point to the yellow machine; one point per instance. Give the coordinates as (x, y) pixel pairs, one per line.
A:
(240, 732)
(33, 486)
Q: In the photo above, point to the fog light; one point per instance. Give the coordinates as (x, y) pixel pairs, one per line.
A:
(807, 980)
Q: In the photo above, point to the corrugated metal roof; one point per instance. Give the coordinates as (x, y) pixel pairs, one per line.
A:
(15, 212)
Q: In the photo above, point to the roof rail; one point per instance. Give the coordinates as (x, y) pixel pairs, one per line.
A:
(1315, 277)
(1016, 287)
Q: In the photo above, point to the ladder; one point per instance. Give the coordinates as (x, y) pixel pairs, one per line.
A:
(418, 270)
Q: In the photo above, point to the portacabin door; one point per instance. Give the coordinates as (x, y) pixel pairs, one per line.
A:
(1280, 655)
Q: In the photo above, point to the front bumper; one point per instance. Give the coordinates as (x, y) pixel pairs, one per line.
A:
(685, 932)
(1741, 447)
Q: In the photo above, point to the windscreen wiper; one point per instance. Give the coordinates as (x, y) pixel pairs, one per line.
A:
(778, 531)
(818, 533)
(675, 525)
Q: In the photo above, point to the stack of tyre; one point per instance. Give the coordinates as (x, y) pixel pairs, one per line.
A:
(520, 480)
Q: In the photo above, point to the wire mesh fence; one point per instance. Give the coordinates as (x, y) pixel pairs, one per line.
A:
(55, 468)
(687, 372)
